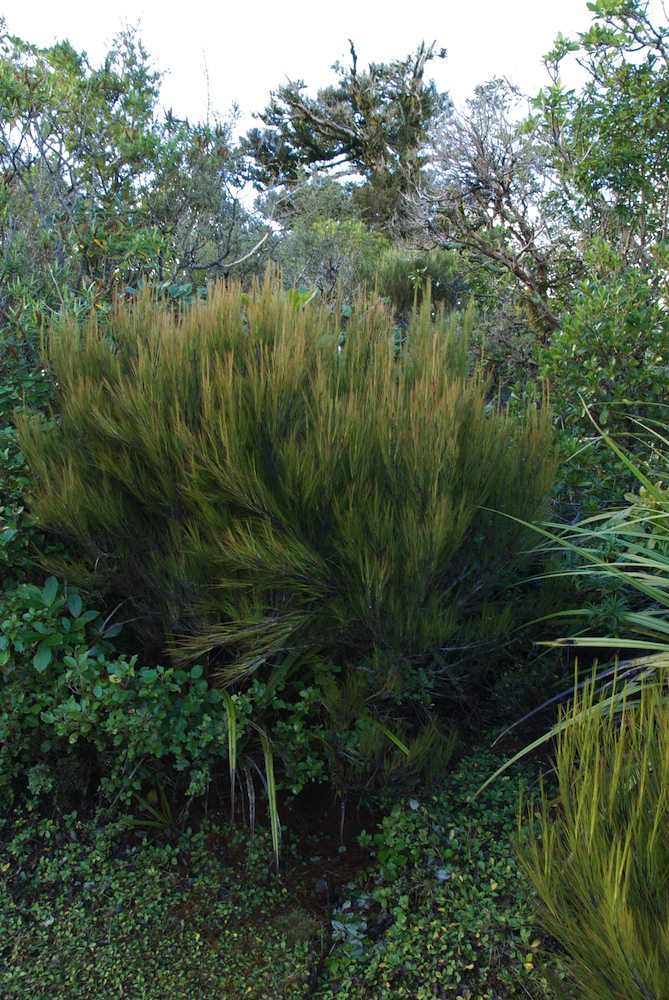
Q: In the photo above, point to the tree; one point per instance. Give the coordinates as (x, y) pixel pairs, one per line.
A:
(486, 195)
(610, 142)
(609, 146)
(372, 123)
(76, 150)
(524, 193)
(195, 203)
(97, 187)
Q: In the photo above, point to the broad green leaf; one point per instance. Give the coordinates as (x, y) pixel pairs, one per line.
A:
(74, 605)
(49, 591)
(42, 658)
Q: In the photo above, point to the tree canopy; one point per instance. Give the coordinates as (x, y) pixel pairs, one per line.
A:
(98, 186)
(372, 122)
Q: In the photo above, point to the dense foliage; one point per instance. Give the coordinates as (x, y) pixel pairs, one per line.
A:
(599, 859)
(273, 518)
(72, 706)
(307, 486)
(609, 361)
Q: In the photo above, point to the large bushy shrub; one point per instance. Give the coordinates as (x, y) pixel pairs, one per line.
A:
(259, 483)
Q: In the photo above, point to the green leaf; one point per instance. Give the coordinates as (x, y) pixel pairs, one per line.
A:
(49, 591)
(42, 658)
(390, 735)
(89, 616)
(74, 605)
(271, 795)
(231, 716)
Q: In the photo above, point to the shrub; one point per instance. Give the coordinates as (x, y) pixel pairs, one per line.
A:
(332, 254)
(259, 482)
(70, 703)
(609, 359)
(404, 278)
(598, 859)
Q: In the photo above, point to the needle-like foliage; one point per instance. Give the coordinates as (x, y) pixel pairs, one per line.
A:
(258, 479)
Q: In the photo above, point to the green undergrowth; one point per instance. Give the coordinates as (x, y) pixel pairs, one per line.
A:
(88, 913)
(441, 911)
(445, 911)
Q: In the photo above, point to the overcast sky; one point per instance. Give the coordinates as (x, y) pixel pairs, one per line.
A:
(246, 49)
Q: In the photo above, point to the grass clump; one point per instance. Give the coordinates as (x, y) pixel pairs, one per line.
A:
(599, 856)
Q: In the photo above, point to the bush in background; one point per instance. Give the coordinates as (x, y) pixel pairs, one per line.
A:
(608, 361)
(404, 279)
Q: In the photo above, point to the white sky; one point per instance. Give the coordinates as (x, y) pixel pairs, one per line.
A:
(250, 48)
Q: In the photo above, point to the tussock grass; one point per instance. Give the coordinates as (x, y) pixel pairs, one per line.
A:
(599, 856)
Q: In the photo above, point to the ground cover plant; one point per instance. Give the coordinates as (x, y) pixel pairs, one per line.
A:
(92, 912)
(439, 909)
(445, 910)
